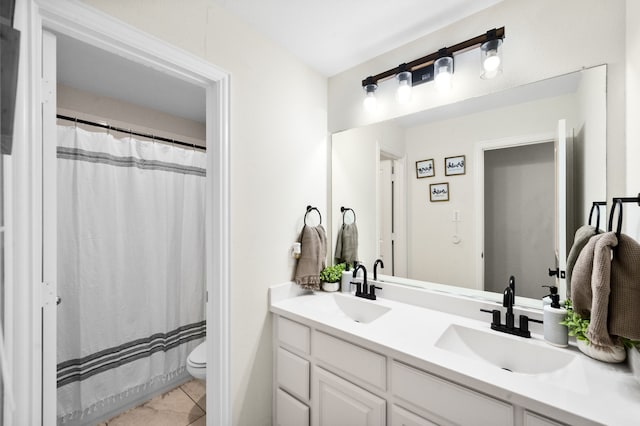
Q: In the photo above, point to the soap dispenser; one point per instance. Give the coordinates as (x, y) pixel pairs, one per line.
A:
(555, 333)
(345, 280)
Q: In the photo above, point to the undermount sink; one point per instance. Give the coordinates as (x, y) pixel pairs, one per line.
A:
(359, 310)
(511, 353)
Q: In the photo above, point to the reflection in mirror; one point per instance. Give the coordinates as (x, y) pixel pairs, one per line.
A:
(502, 217)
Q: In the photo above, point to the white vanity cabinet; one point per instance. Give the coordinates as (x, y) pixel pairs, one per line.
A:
(324, 380)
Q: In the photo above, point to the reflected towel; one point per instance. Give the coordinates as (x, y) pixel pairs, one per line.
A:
(313, 255)
(347, 244)
(581, 238)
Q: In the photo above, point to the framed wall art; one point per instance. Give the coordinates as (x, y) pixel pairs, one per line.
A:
(454, 165)
(439, 192)
(425, 168)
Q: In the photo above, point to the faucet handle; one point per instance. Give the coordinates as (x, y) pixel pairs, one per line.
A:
(372, 289)
(495, 319)
(358, 287)
(365, 288)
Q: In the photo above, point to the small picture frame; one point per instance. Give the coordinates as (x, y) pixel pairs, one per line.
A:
(425, 168)
(439, 192)
(454, 165)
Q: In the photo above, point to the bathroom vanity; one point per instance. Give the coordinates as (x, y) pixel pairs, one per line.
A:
(342, 360)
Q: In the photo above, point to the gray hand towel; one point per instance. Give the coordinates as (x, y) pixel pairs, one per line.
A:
(347, 244)
(583, 234)
(591, 286)
(624, 301)
(313, 255)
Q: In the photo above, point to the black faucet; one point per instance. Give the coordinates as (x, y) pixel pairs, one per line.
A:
(364, 287)
(364, 290)
(508, 298)
(375, 268)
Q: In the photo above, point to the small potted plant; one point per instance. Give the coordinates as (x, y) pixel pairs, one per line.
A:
(330, 277)
(578, 328)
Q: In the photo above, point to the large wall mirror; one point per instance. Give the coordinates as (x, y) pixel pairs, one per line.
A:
(500, 213)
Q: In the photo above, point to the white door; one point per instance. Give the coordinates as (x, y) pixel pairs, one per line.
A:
(49, 229)
(341, 403)
(385, 244)
(563, 211)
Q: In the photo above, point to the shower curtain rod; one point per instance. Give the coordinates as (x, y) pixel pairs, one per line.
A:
(129, 131)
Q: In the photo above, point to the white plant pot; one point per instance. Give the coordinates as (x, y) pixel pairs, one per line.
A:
(618, 354)
(330, 286)
(634, 362)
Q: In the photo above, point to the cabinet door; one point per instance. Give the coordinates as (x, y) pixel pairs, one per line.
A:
(340, 403)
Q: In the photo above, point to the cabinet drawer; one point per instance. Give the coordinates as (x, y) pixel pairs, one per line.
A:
(445, 399)
(290, 411)
(293, 374)
(352, 361)
(293, 335)
(532, 419)
(402, 417)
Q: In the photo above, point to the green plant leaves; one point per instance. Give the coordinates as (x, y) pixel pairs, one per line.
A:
(332, 274)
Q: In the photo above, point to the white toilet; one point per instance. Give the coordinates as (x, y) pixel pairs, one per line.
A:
(197, 361)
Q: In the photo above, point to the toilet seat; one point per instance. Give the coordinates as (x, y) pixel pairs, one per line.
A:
(197, 361)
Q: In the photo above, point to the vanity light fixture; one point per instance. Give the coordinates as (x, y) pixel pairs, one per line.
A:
(438, 66)
(403, 93)
(370, 101)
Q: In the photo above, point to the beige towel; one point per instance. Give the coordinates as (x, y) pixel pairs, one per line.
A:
(347, 244)
(591, 286)
(624, 301)
(583, 234)
(313, 255)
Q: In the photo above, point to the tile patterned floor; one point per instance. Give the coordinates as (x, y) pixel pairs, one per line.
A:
(182, 406)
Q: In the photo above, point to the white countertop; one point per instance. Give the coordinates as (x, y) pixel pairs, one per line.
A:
(594, 391)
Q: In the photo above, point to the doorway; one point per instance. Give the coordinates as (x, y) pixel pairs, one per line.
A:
(84, 23)
(519, 218)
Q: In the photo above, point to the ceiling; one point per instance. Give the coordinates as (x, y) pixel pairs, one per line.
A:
(330, 36)
(334, 35)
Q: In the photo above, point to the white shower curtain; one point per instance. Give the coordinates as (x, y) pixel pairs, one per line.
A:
(131, 270)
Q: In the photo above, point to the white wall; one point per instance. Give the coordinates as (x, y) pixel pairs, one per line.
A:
(432, 254)
(544, 38)
(278, 166)
(632, 212)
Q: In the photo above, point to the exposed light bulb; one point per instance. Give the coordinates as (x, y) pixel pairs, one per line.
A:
(491, 58)
(443, 70)
(443, 81)
(403, 93)
(370, 102)
(492, 61)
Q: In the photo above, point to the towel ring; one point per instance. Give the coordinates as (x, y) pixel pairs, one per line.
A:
(616, 202)
(596, 205)
(344, 211)
(309, 209)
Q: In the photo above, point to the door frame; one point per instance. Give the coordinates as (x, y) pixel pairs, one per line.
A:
(480, 148)
(100, 30)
